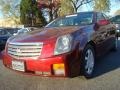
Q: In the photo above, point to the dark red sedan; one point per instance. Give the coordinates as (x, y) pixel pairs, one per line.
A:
(65, 47)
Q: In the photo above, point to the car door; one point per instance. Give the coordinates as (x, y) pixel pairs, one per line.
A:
(101, 35)
(111, 33)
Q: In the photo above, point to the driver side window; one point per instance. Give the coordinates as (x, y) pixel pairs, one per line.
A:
(100, 16)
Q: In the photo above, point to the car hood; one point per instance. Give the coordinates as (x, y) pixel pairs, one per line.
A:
(43, 34)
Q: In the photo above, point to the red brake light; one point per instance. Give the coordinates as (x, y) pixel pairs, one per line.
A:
(103, 22)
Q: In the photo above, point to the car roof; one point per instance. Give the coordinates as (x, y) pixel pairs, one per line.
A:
(94, 12)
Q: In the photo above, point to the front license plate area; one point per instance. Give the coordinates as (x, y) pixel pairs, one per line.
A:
(18, 65)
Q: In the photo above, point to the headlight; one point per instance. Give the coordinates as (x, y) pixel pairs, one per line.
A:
(63, 44)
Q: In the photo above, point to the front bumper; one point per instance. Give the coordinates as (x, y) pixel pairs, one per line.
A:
(42, 67)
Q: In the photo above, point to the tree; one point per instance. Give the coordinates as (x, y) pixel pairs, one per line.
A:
(30, 15)
(50, 6)
(10, 10)
(102, 5)
(99, 5)
(65, 8)
(61, 7)
(78, 3)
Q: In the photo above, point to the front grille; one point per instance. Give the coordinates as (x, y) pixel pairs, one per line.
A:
(25, 50)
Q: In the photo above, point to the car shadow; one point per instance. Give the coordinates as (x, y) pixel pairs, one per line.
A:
(107, 63)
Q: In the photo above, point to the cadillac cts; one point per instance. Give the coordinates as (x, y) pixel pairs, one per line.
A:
(66, 47)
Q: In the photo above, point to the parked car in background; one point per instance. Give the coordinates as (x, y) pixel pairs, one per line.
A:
(22, 31)
(116, 20)
(66, 47)
(12, 31)
(4, 35)
(25, 30)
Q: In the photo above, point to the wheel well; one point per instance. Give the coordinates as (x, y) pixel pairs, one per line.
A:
(92, 44)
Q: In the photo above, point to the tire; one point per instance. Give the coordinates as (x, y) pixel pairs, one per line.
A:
(88, 61)
(115, 45)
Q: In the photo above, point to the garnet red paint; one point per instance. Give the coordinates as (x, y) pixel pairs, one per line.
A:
(100, 35)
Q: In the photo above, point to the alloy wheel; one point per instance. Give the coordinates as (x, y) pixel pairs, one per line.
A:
(89, 58)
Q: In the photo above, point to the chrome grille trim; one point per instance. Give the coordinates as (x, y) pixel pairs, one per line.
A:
(25, 50)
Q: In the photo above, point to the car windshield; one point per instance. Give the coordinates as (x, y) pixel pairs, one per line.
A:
(72, 20)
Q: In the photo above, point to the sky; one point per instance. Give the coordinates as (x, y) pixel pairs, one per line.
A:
(15, 2)
(114, 7)
(1, 15)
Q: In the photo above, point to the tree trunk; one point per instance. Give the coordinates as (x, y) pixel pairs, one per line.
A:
(51, 15)
(75, 10)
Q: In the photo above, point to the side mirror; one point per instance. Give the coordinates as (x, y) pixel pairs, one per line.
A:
(103, 22)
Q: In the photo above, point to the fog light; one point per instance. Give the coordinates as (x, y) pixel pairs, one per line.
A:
(59, 69)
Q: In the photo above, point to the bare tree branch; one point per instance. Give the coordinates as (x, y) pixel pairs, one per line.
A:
(84, 2)
(78, 3)
(74, 5)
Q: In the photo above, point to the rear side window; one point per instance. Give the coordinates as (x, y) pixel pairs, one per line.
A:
(100, 16)
(106, 17)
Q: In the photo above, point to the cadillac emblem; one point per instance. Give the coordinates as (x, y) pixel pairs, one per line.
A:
(18, 50)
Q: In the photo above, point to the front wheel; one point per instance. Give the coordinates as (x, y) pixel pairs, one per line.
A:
(88, 61)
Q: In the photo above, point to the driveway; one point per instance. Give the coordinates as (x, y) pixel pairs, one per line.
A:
(106, 77)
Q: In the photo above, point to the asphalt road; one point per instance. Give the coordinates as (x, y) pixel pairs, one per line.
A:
(106, 77)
